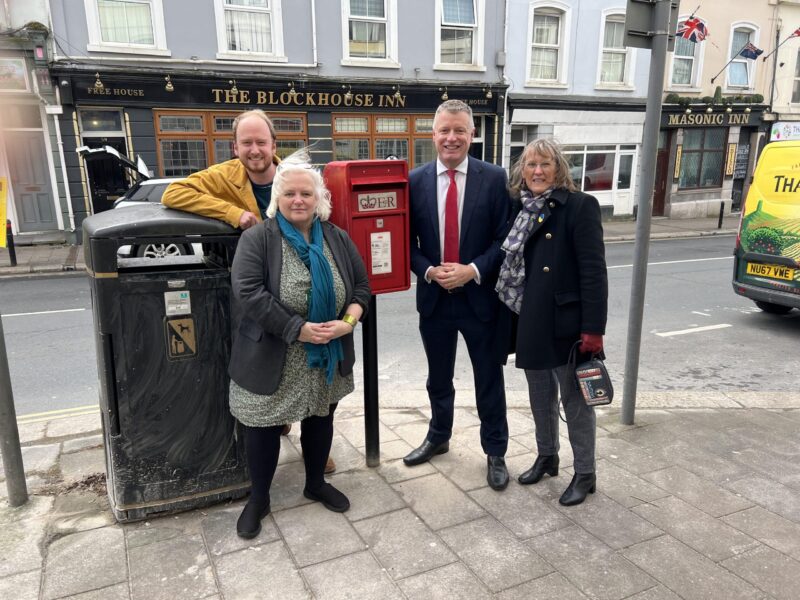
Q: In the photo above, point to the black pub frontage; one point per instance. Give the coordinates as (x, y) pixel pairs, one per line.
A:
(179, 124)
(705, 157)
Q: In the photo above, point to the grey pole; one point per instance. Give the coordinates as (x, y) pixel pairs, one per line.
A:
(9, 434)
(655, 88)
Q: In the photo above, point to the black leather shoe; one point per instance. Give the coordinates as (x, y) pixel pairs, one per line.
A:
(497, 474)
(581, 484)
(425, 452)
(541, 466)
(331, 498)
(249, 524)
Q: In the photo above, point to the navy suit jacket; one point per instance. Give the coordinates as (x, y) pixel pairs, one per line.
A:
(484, 225)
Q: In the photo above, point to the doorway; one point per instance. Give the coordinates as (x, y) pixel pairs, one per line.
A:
(30, 181)
(662, 174)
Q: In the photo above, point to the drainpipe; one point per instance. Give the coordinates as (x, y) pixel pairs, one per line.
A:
(314, 32)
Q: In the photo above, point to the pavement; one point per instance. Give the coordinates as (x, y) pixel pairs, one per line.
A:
(52, 259)
(698, 499)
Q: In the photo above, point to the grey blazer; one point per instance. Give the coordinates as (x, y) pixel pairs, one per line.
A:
(263, 327)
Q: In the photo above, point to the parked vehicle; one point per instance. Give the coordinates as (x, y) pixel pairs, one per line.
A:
(766, 266)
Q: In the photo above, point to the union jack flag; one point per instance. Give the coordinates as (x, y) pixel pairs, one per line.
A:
(795, 33)
(693, 29)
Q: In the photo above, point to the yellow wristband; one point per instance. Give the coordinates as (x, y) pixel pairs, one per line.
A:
(350, 320)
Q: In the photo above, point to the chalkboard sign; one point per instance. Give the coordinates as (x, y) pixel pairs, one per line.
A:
(742, 158)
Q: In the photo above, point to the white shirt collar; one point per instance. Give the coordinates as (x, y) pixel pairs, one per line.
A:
(461, 168)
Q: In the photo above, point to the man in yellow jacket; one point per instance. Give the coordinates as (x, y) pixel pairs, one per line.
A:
(237, 191)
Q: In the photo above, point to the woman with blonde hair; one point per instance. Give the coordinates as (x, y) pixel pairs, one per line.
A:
(300, 288)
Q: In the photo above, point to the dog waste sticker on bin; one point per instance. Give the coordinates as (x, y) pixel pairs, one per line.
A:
(181, 340)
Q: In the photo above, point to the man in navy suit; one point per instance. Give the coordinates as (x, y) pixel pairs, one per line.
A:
(459, 218)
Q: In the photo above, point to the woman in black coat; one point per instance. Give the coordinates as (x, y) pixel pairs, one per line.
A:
(554, 278)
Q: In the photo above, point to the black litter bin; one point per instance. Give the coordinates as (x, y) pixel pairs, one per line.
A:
(162, 331)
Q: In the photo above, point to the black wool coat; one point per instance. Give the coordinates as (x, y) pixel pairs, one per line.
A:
(566, 285)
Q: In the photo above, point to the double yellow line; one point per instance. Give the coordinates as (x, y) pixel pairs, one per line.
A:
(61, 413)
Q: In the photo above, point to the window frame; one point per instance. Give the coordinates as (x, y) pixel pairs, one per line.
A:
(372, 134)
(703, 151)
(210, 135)
(391, 60)
(751, 65)
(626, 51)
(275, 11)
(478, 34)
(565, 16)
(795, 97)
(619, 151)
(96, 43)
(697, 66)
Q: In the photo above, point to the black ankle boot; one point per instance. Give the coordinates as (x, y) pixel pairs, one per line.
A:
(249, 524)
(581, 484)
(331, 498)
(542, 465)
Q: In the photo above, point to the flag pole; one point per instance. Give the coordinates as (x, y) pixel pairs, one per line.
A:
(729, 62)
(774, 68)
(779, 45)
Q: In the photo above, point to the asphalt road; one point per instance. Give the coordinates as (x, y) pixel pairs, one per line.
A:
(697, 334)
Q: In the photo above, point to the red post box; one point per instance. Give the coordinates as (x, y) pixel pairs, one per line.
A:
(370, 202)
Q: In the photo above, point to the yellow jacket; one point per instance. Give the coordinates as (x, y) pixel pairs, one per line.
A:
(222, 191)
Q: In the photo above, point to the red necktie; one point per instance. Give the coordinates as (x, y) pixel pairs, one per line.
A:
(451, 220)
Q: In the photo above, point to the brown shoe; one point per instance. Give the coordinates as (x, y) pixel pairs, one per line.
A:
(330, 466)
(286, 429)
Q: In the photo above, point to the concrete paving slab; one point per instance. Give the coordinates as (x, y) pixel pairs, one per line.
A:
(287, 486)
(119, 591)
(392, 418)
(769, 570)
(773, 399)
(550, 587)
(22, 586)
(346, 456)
(82, 443)
(166, 527)
(80, 511)
(219, 531)
(631, 457)
(438, 501)
(768, 528)
(770, 494)
(395, 471)
(103, 549)
(656, 593)
(73, 426)
(520, 422)
(353, 431)
(289, 452)
(708, 497)
(522, 512)
(309, 531)
(624, 487)
(264, 572)
(688, 573)
(77, 465)
(36, 459)
(21, 535)
(683, 399)
(413, 432)
(452, 581)
(784, 469)
(392, 450)
(368, 492)
(403, 544)
(354, 576)
(609, 521)
(709, 536)
(31, 432)
(175, 568)
(463, 466)
(590, 564)
(493, 553)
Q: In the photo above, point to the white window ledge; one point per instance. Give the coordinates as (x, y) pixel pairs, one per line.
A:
(611, 87)
(683, 90)
(251, 56)
(458, 67)
(375, 63)
(547, 84)
(128, 50)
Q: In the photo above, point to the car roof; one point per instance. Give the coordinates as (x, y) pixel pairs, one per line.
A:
(157, 181)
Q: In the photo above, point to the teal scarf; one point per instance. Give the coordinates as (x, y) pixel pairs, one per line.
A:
(322, 299)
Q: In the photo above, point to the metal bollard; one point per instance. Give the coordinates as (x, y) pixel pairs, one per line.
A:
(12, 253)
(721, 213)
(9, 434)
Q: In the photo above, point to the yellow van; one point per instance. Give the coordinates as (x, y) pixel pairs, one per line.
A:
(766, 265)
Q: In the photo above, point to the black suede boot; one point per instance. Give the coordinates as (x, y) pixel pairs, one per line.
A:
(330, 497)
(581, 484)
(541, 466)
(249, 524)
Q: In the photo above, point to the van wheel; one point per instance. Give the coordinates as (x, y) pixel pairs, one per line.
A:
(774, 309)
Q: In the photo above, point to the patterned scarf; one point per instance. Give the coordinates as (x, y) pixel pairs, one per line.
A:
(322, 299)
(511, 280)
